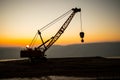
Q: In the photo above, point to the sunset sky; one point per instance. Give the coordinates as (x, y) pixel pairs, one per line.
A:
(20, 20)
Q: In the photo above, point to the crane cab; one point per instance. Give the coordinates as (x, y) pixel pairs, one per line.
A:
(34, 55)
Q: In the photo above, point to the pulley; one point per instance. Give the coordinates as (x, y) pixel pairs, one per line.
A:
(82, 34)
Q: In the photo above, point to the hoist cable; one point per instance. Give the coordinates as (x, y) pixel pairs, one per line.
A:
(33, 40)
(48, 25)
(54, 21)
(81, 21)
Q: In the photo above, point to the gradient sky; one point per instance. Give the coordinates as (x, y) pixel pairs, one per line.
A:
(20, 20)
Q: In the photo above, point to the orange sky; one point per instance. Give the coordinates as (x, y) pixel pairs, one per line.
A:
(20, 20)
(75, 40)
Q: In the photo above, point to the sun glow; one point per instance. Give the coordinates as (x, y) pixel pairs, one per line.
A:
(27, 46)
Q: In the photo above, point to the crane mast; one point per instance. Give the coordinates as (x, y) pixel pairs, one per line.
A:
(39, 52)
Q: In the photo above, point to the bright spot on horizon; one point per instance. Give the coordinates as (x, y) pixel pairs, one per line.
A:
(27, 46)
(20, 20)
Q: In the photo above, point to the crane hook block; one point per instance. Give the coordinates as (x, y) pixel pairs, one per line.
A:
(82, 36)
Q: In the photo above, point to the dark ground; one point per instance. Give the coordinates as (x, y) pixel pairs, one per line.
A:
(76, 67)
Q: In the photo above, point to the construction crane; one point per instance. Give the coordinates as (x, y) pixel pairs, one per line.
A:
(38, 53)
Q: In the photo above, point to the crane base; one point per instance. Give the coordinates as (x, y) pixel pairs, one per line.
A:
(33, 55)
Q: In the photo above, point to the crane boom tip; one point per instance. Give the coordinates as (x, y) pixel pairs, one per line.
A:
(76, 9)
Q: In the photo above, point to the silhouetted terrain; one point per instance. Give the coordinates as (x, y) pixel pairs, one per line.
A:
(110, 49)
(9, 52)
